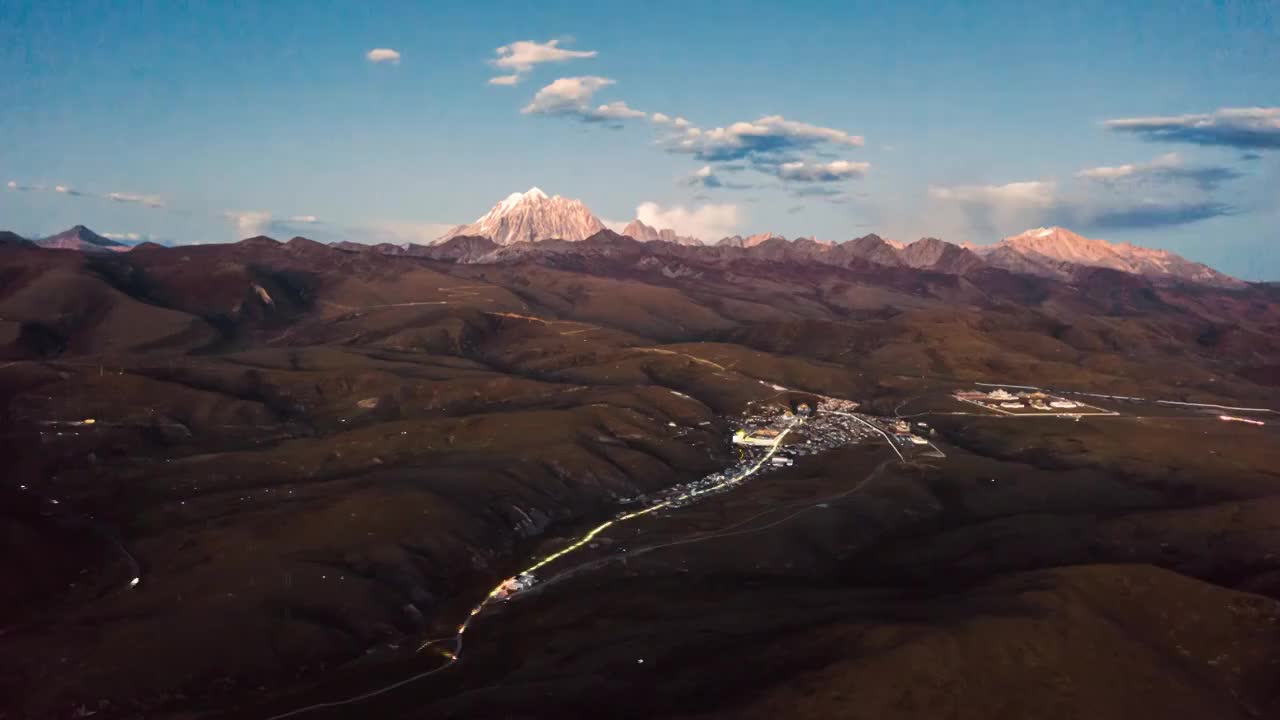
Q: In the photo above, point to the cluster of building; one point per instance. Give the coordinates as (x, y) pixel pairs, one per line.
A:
(903, 432)
(1025, 400)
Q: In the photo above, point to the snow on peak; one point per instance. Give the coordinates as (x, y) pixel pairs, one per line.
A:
(531, 216)
(1043, 250)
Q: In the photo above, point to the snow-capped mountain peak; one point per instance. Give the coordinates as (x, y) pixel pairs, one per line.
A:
(1053, 251)
(531, 216)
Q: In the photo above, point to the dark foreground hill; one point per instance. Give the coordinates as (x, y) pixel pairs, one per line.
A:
(306, 453)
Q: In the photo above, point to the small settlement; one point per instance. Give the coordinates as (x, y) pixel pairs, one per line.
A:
(1026, 402)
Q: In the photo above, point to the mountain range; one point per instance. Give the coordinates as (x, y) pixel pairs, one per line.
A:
(533, 216)
(533, 225)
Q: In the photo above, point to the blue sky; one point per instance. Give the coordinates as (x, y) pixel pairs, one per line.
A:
(962, 120)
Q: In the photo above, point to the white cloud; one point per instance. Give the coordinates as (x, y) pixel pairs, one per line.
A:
(383, 55)
(822, 172)
(660, 118)
(616, 110)
(151, 201)
(522, 55)
(121, 236)
(707, 222)
(304, 219)
(770, 134)
(567, 96)
(504, 80)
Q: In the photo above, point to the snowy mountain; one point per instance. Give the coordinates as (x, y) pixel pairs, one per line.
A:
(1056, 252)
(637, 230)
(529, 217)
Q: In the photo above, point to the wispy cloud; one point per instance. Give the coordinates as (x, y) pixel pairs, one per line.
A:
(1100, 201)
(521, 56)
(151, 201)
(399, 232)
(1168, 167)
(706, 222)
(383, 55)
(1155, 214)
(1244, 128)
(130, 237)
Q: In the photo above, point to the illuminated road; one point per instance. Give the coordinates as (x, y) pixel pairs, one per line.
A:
(884, 434)
(738, 529)
(503, 589)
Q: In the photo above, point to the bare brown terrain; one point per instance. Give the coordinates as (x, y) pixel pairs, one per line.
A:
(313, 459)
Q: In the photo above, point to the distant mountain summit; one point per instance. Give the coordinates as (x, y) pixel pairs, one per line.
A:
(531, 216)
(637, 230)
(748, 242)
(938, 255)
(83, 239)
(1057, 252)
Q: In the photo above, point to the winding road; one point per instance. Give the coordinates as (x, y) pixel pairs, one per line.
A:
(502, 590)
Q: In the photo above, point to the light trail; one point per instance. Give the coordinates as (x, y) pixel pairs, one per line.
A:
(1211, 405)
(502, 589)
(1000, 385)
